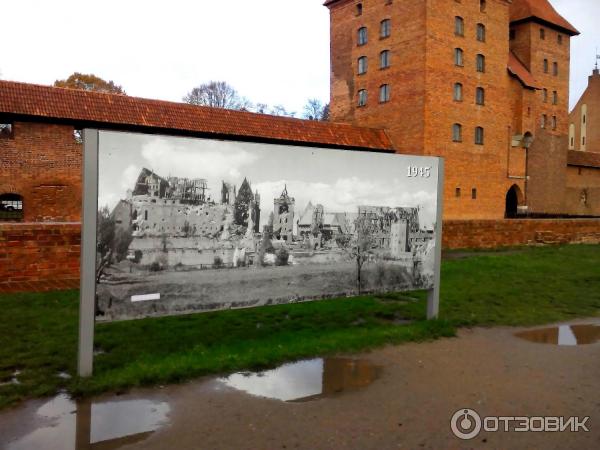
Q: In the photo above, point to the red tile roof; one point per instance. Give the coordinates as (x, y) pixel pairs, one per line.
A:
(521, 10)
(517, 68)
(107, 111)
(584, 159)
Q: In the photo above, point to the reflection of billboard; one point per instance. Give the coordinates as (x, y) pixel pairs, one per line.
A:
(187, 225)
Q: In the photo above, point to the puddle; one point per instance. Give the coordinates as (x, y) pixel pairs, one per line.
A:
(567, 335)
(63, 424)
(306, 380)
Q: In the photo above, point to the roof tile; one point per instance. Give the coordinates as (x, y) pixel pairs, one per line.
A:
(35, 101)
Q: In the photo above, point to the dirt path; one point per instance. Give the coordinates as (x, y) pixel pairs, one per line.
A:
(408, 407)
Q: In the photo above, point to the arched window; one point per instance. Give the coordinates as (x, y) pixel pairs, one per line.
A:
(457, 132)
(384, 93)
(480, 96)
(384, 59)
(362, 97)
(482, 5)
(458, 57)
(479, 135)
(362, 65)
(458, 94)
(545, 95)
(480, 60)
(481, 32)
(459, 26)
(542, 34)
(11, 206)
(545, 66)
(362, 35)
(385, 28)
(554, 122)
(555, 68)
(544, 120)
(359, 9)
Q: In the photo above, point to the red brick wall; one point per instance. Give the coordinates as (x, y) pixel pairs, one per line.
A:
(42, 163)
(499, 233)
(38, 255)
(46, 256)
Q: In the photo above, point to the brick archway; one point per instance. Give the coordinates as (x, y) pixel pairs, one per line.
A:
(514, 198)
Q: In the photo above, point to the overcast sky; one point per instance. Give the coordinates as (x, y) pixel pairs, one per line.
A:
(271, 51)
(340, 180)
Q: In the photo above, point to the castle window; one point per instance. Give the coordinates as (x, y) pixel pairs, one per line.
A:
(458, 92)
(545, 66)
(555, 68)
(481, 32)
(542, 34)
(6, 130)
(479, 135)
(544, 119)
(480, 62)
(384, 93)
(459, 26)
(545, 95)
(482, 5)
(384, 59)
(457, 192)
(554, 98)
(362, 35)
(559, 38)
(480, 96)
(362, 97)
(359, 9)
(362, 65)
(385, 28)
(474, 194)
(11, 207)
(457, 132)
(554, 122)
(458, 57)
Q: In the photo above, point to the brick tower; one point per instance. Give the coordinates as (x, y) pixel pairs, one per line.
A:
(440, 77)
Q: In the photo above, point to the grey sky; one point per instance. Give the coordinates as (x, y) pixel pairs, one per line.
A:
(272, 51)
(338, 179)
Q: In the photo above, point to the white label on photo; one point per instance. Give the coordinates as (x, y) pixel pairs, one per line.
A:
(145, 297)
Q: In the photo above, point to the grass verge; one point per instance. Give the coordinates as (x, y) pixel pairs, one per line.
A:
(38, 332)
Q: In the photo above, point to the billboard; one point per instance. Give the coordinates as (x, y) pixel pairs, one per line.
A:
(187, 225)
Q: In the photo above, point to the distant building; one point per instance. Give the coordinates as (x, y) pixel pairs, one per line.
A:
(584, 126)
(283, 216)
(228, 194)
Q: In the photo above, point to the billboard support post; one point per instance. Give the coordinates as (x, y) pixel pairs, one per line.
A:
(87, 292)
(433, 295)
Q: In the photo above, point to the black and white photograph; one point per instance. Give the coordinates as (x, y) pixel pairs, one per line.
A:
(188, 225)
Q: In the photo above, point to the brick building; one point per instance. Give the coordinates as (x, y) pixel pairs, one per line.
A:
(485, 84)
(482, 83)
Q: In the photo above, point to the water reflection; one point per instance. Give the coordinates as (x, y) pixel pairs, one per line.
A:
(567, 335)
(64, 424)
(306, 380)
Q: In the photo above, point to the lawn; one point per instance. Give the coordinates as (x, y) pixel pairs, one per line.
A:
(38, 332)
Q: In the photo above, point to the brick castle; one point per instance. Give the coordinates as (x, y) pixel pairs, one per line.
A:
(485, 84)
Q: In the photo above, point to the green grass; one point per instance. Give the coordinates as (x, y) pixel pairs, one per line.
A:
(38, 332)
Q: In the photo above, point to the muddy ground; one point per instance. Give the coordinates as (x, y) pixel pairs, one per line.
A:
(409, 406)
(205, 290)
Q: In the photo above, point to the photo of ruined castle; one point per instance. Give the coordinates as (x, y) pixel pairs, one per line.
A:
(172, 244)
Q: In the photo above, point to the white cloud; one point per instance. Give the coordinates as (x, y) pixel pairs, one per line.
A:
(221, 160)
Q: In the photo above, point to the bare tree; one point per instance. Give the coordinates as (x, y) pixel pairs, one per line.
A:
(358, 246)
(217, 94)
(316, 110)
(279, 110)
